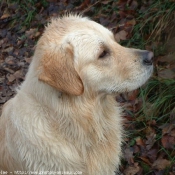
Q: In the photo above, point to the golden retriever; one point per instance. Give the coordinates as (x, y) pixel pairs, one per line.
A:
(64, 118)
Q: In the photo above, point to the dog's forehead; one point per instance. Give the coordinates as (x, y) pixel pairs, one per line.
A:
(90, 32)
(84, 22)
(87, 26)
(98, 29)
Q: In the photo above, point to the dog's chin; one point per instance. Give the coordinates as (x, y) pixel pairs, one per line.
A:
(132, 84)
(140, 79)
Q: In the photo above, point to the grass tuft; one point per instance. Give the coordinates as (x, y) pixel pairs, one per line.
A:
(158, 99)
(152, 22)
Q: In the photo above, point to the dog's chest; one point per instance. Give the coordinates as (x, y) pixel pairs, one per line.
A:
(105, 153)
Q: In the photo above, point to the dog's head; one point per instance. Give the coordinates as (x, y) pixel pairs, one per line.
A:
(77, 54)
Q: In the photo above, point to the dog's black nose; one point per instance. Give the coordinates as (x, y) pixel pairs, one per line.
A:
(147, 57)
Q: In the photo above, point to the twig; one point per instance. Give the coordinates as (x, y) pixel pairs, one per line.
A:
(84, 11)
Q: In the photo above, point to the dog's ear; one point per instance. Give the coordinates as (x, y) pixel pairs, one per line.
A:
(57, 70)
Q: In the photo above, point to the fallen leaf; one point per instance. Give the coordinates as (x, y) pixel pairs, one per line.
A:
(134, 5)
(105, 2)
(9, 70)
(10, 60)
(166, 59)
(166, 128)
(172, 133)
(146, 160)
(11, 77)
(5, 15)
(150, 140)
(121, 35)
(2, 80)
(133, 95)
(128, 154)
(1, 42)
(170, 43)
(18, 74)
(168, 141)
(166, 74)
(104, 21)
(131, 22)
(151, 123)
(136, 149)
(152, 154)
(9, 49)
(161, 164)
(31, 33)
(132, 170)
(28, 60)
(150, 131)
(139, 141)
(37, 34)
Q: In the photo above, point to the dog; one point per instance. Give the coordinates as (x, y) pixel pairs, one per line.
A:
(64, 117)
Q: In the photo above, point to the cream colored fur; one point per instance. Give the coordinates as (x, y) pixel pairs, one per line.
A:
(64, 116)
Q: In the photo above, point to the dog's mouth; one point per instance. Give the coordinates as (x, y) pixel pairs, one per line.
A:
(142, 78)
(133, 83)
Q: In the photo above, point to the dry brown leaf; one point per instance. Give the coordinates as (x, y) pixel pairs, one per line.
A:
(161, 164)
(152, 154)
(134, 5)
(139, 141)
(168, 58)
(168, 141)
(132, 170)
(10, 60)
(133, 95)
(150, 131)
(37, 34)
(31, 33)
(1, 42)
(150, 140)
(9, 70)
(146, 160)
(172, 133)
(11, 77)
(166, 128)
(121, 35)
(28, 60)
(5, 15)
(128, 154)
(9, 49)
(166, 74)
(170, 43)
(105, 2)
(151, 123)
(18, 74)
(131, 22)
(2, 78)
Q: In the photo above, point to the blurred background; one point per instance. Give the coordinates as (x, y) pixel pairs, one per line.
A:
(149, 112)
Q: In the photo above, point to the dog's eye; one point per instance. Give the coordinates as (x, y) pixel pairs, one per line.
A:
(103, 54)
